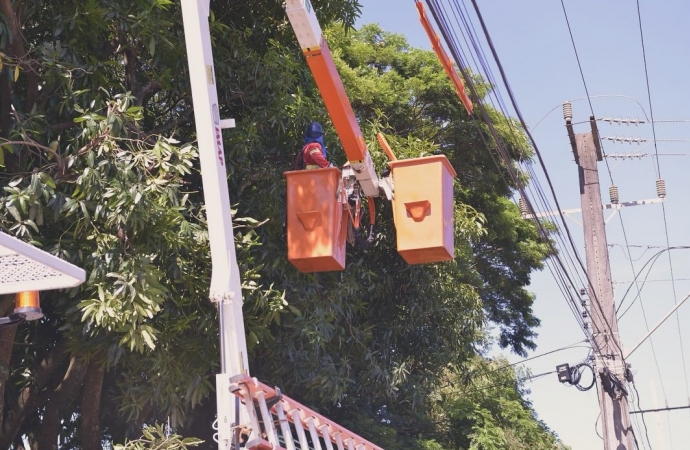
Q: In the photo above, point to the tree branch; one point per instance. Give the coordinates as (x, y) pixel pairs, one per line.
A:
(147, 92)
(64, 393)
(16, 41)
(33, 144)
(182, 118)
(131, 66)
(58, 127)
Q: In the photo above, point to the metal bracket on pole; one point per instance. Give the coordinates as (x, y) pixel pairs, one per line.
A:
(597, 139)
(571, 136)
(227, 123)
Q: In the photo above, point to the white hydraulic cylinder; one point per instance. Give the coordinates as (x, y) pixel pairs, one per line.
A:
(225, 289)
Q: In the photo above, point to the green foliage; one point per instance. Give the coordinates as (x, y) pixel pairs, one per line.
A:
(156, 438)
(489, 412)
(101, 169)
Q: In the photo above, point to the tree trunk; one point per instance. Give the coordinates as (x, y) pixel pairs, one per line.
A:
(6, 345)
(29, 396)
(5, 101)
(91, 407)
(50, 428)
(16, 51)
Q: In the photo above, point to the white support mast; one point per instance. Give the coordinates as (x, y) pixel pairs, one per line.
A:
(225, 289)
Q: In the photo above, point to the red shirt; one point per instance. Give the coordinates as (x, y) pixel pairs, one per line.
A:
(312, 156)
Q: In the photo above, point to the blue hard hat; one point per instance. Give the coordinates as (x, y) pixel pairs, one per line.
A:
(314, 130)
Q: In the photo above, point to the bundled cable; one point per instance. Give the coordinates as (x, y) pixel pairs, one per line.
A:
(573, 375)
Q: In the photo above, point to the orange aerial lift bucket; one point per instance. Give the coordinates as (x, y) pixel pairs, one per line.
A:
(316, 225)
(423, 208)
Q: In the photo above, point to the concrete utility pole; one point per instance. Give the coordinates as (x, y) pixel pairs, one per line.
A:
(610, 366)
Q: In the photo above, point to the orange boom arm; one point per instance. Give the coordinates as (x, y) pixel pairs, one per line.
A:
(445, 61)
(320, 61)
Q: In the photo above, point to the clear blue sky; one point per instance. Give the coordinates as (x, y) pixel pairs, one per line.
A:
(534, 45)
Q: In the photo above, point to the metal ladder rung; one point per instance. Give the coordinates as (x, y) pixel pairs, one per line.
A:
(274, 408)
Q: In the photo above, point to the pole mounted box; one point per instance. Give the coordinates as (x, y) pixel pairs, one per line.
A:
(564, 375)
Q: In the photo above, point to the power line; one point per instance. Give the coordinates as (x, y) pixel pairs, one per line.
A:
(469, 26)
(658, 177)
(639, 295)
(668, 408)
(558, 267)
(565, 275)
(531, 138)
(652, 260)
(577, 57)
(649, 92)
(637, 396)
(568, 347)
(658, 167)
(445, 31)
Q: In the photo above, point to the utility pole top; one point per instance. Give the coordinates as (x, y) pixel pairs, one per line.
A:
(610, 367)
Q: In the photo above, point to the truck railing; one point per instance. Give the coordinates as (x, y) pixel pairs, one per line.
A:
(278, 422)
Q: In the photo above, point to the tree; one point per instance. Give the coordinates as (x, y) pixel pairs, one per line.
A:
(490, 412)
(382, 333)
(97, 141)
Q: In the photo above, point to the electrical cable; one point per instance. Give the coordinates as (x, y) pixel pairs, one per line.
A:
(533, 176)
(573, 308)
(652, 260)
(687, 384)
(658, 172)
(507, 366)
(646, 431)
(479, 51)
(596, 430)
(572, 304)
(577, 57)
(675, 301)
(522, 192)
(633, 417)
(644, 313)
(649, 92)
(526, 130)
(637, 445)
(657, 167)
(516, 182)
(575, 375)
(469, 26)
(589, 98)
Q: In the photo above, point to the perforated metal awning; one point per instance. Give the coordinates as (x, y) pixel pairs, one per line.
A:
(24, 267)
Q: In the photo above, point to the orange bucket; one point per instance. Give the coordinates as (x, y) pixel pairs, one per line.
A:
(316, 225)
(423, 208)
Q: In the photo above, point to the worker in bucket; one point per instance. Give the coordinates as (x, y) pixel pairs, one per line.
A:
(313, 155)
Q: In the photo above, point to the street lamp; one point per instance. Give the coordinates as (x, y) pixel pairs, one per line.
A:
(25, 270)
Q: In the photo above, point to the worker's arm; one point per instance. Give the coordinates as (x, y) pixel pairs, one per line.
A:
(317, 157)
